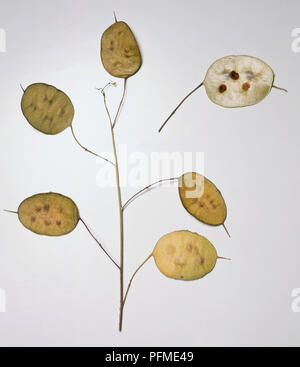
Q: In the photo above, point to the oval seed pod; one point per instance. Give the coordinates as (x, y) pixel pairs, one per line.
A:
(184, 255)
(47, 108)
(120, 53)
(238, 81)
(201, 198)
(49, 214)
(235, 81)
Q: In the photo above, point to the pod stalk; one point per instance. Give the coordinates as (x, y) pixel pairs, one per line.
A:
(174, 111)
(87, 150)
(100, 245)
(135, 196)
(134, 274)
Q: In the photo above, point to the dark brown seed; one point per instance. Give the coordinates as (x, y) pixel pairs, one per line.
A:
(222, 88)
(234, 75)
(46, 207)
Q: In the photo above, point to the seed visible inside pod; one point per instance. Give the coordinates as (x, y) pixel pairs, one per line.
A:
(222, 88)
(243, 70)
(47, 108)
(120, 53)
(193, 256)
(42, 214)
(245, 86)
(201, 198)
(235, 74)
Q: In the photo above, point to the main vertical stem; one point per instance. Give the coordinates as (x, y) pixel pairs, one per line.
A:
(121, 229)
(112, 125)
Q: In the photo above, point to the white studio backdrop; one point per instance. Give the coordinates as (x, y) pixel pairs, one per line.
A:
(63, 291)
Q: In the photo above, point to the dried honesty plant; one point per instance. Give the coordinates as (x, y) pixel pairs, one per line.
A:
(181, 255)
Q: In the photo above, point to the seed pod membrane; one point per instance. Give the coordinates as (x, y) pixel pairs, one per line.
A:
(184, 255)
(202, 199)
(47, 108)
(238, 81)
(120, 53)
(49, 214)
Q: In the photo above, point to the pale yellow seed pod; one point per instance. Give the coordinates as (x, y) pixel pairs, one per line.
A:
(201, 198)
(47, 108)
(120, 53)
(184, 255)
(49, 214)
(238, 81)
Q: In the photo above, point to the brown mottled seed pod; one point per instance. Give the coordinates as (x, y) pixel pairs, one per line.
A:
(120, 53)
(184, 255)
(201, 198)
(49, 214)
(47, 108)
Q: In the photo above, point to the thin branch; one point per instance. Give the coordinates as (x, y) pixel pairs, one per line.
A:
(121, 103)
(102, 248)
(285, 90)
(134, 274)
(87, 150)
(147, 188)
(186, 97)
(22, 88)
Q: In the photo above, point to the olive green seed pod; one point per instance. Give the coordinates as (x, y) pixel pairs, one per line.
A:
(47, 108)
(49, 214)
(120, 53)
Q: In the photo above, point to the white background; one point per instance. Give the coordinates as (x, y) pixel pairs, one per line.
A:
(63, 291)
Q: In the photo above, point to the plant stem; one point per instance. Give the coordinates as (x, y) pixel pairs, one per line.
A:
(87, 150)
(121, 103)
(102, 248)
(186, 97)
(134, 274)
(146, 188)
(112, 123)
